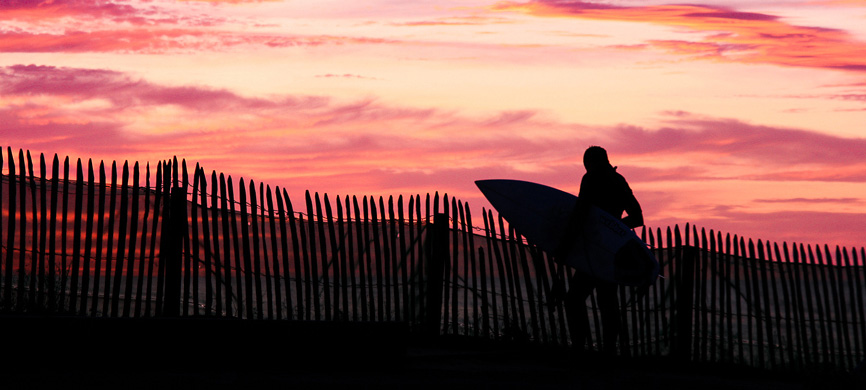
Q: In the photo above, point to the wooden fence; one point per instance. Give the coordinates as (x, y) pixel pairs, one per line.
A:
(182, 244)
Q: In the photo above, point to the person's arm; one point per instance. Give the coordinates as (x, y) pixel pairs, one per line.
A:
(634, 217)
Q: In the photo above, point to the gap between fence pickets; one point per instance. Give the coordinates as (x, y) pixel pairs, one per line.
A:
(182, 177)
(762, 297)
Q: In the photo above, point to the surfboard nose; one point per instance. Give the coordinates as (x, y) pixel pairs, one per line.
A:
(487, 184)
(484, 185)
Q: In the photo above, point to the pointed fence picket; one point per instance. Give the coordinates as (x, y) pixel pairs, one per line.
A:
(93, 246)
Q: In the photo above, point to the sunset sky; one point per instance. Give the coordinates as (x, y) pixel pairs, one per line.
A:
(742, 116)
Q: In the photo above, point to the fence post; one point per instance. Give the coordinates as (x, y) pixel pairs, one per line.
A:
(174, 247)
(684, 305)
(438, 241)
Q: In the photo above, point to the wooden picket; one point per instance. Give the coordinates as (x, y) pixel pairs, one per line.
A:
(91, 246)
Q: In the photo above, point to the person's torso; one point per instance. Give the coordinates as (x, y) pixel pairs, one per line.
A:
(606, 189)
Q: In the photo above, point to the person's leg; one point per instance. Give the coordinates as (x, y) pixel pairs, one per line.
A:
(609, 306)
(575, 309)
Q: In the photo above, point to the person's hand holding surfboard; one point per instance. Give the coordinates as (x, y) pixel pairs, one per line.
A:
(594, 245)
(586, 232)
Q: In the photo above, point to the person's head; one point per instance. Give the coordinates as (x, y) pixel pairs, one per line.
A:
(595, 158)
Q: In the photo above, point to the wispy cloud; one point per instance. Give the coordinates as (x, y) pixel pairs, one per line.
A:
(88, 15)
(801, 227)
(125, 92)
(730, 35)
(367, 146)
(76, 26)
(231, 1)
(56, 108)
(684, 133)
(474, 20)
(763, 146)
(36, 10)
(813, 200)
(142, 40)
(846, 3)
(150, 41)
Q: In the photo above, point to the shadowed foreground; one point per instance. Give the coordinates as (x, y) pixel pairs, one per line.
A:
(176, 286)
(181, 354)
(186, 246)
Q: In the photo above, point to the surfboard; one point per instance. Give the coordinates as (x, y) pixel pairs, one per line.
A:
(575, 233)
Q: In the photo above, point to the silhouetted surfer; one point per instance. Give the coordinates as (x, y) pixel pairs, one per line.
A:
(607, 189)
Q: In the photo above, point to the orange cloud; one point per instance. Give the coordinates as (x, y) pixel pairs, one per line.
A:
(47, 13)
(455, 21)
(89, 26)
(847, 3)
(160, 40)
(364, 147)
(230, 1)
(363, 132)
(40, 9)
(134, 40)
(345, 76)
(736, 36)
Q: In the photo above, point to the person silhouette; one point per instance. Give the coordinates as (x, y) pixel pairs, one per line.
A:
(603, 187)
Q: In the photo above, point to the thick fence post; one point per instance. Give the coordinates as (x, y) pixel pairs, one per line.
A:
(174, 248)
(684, 304)
(438, 241)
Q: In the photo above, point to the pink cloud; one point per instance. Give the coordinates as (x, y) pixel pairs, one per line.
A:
(739, 36)
(813, 200)
(86, 26)
(81, 12)
(231, 1)
(35, 10)
(500, 134)
(852, 96)
(706, 50)
(764, 145)
(162, 41)
(455, 21)
(846, 3)
(135, 40)
(801, 227)
(124, 91)
(345, 76)
(367, 147)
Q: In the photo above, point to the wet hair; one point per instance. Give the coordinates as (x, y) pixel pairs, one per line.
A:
(594, 158)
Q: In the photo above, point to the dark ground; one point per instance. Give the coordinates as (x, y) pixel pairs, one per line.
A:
(126, 354)
(450, 365)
